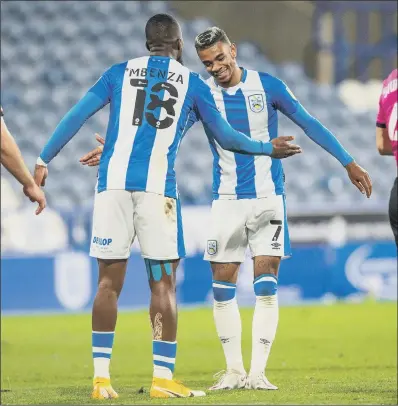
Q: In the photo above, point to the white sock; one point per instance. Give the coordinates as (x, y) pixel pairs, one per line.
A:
(162, 372)
(265, 322)
(164, 358)
(101, 367)
(228, 324)
(102, 342)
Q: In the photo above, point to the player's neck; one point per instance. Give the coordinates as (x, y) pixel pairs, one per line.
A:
(235, 78)
(162, 52)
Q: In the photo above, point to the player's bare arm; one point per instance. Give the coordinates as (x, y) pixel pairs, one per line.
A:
(383, 142)
(11, 159)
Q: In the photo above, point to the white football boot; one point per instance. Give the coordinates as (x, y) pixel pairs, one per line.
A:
(227, 380)
(259, 382)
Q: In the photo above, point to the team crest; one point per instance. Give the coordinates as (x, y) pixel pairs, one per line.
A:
(256, 102)
(212, 247)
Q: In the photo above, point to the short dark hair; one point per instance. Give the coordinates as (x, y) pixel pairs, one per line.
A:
(209, 37)
(162, 28)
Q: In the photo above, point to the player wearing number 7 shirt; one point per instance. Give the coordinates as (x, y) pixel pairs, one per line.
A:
(151, 99)
(387, 137)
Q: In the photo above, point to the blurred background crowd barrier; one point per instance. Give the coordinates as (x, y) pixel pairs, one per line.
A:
(333, 55)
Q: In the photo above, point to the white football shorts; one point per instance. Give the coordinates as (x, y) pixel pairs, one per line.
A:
(120, 215)
(259, 223)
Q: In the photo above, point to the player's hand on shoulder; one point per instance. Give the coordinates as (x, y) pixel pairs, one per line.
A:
(93, 157)
(35, 194)
(360, 178)
(282, 148)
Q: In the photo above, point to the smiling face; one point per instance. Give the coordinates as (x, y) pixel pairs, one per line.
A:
(220, 61)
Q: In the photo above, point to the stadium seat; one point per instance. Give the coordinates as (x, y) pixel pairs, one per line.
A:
(82, 39)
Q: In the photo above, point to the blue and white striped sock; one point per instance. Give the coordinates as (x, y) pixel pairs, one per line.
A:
(228, 323)
(265, 321)
(102, 342)
(164, 358)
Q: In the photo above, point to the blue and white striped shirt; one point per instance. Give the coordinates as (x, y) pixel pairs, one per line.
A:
(252, 108)
(151, 100)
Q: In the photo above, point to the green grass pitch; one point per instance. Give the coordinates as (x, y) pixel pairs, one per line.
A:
(337, 354)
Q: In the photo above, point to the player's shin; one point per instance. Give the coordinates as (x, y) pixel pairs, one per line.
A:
(265, 321)
(163, 316)
(104, 315)
(228, 324)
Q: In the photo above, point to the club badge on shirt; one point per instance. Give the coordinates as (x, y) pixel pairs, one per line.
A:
(256, 103)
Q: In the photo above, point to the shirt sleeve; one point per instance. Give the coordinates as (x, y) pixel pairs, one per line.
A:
(192, 119)
(95, 99)
(221, 130)
(381, 120)
(286, 102)
(102, 88)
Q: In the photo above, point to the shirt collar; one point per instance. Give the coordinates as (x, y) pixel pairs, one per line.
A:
(233, 89)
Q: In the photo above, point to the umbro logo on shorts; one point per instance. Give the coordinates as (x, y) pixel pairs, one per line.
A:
(211, 247)
(276, 245)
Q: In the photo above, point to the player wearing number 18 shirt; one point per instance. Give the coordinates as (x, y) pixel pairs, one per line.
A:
(151, 99)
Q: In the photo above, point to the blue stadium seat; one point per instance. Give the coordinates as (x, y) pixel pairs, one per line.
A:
(53, 51)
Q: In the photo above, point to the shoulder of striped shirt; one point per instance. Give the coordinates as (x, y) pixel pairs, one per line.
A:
(196, 74)
(212, 85)
(197, 77)
(140, 58)
(119, 65)
(184, 69)
(266, 75)
(272, 83)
